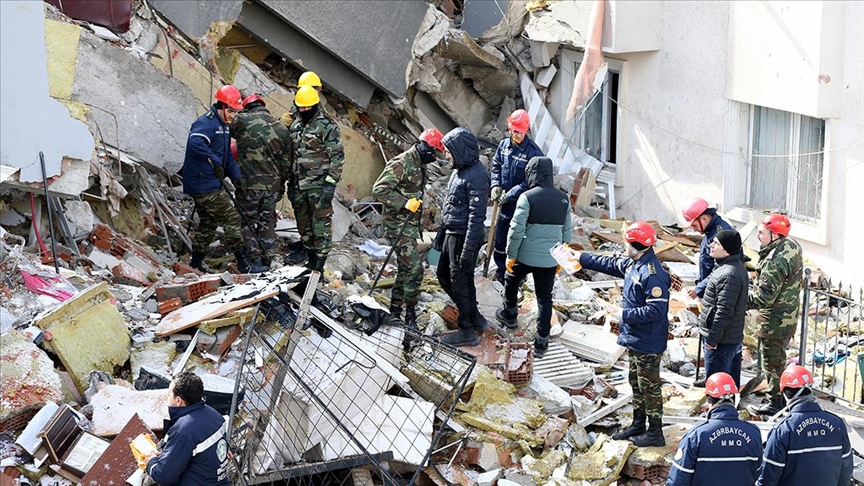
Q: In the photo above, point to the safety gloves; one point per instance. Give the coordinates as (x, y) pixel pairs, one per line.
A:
(413, 204)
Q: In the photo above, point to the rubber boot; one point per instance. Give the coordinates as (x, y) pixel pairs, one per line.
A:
(197, 261)
(653, 437)
(462, 337)
(411, 316)
(396, 314)
(541, 345)
(247, 266)
(636, 428)
(507, 317)
(768, 407)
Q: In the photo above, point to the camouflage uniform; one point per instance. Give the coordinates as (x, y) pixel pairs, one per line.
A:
(404, 177)
(317, 163)
(645, 373)
(264, 157)
(215, 209)
(776, 298)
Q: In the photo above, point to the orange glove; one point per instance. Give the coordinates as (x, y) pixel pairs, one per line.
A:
(510, 264)
(558, 269)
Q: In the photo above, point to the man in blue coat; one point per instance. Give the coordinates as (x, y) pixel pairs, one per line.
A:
(644, 326)
(721, 451)
(194, 451)
(810, 446)
(208, 160)
(541, 221)
(509, 181)
(462, 223)
(704, 219)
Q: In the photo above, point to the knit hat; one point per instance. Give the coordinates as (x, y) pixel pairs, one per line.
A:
(730, 240)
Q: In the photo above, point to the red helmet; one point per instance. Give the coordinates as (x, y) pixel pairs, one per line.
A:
(253, 98)
(795, 377)
(642, 233)
(694, 209)
(519, 121)
(230, 96)
(433, 137)
(234, 148)
(720, 385)
(777, 223)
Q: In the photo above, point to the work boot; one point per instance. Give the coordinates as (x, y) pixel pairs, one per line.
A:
(653, 437)
(462, 337)
(297, 254)
(411, 316)
(498, 276)
(507, 317)
(396, 314)
(312, 260)
(541, 345)
(197, 261)
(769, 406)
(480, 323)
(636, 428)
(318, 266)
(247, 266)
(699, 384)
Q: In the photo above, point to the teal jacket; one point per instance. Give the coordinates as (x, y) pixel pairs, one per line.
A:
(541, 220)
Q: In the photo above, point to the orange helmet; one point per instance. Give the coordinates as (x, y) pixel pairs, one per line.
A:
(777, 223)
(230, 95)
(433, 137)
(720, 385)
(694, 209)
(252, 98)
(519, 121)
(642, 233)
(795, 377)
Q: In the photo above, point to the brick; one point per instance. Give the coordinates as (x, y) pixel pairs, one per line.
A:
(169, 305)
(183, 269)
(124, 273)
(188, 291)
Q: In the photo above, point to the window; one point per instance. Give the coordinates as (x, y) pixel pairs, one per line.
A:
(785, 163)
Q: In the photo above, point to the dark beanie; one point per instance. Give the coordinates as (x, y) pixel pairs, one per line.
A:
(730, 240)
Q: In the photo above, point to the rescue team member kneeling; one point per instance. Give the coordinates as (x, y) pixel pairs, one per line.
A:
(810, 446)
(722, 451)
(195, 448)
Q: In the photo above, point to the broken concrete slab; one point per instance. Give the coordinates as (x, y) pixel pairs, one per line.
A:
(363, 162)
(195, 22)
(115, 405)
(460, 47)
(459, 100)
(72, 325)
(603, 462)
(28, 380)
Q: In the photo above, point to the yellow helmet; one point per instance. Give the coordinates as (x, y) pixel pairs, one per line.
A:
(306, 96)
(309, 78)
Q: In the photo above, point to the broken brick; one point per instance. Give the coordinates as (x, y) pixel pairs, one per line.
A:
(169, 305)
(124, 273)
(188, 291)
(183, 269)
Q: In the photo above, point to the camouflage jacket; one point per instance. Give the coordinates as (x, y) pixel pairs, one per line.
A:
(263, 149)
(777, 291)
(402, 178)
(318, 152)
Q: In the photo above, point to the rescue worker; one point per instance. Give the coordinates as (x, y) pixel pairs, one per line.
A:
(775, 297)
(208, 160)
(724, 305)
(195, 448)
(264, 157)
(317, 163)
(462, 229)
(810, 446)
(400, 189)
(541, 220)
(308, 78)
(724, 449)
(509, 181)
(702, 218)
(644, 326)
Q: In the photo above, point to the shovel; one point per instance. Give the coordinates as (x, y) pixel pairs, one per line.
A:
(491, 240)
(756, 380)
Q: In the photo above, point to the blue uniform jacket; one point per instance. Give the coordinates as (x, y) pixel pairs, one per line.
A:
(508, 166)
(809, 447)
(645, 320)
(706, 263)
(722, 451)
(209, 145)
(195, 450)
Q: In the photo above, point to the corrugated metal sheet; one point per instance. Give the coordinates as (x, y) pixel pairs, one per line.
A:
(560, 367)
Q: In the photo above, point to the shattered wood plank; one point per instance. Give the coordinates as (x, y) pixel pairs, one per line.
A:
(604, 411)
(306, 301)
(194, 313)
(608, 236)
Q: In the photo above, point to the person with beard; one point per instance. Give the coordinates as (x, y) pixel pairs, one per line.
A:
(317, 165)
(400, 189)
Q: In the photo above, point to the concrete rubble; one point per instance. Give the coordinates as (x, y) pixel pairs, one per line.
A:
(96, 341)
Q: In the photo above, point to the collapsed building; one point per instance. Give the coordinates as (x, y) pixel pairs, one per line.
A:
(316, 389)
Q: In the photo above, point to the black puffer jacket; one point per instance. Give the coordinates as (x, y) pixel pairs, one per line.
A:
(468, 189)
(724, 304)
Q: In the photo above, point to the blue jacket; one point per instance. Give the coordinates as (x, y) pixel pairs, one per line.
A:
(209, 145)
(706, 263)
(542, 218)
(195, 450)
(508, 166)
(467, 191)
(645, 321)
(724, 450)
(809, 447)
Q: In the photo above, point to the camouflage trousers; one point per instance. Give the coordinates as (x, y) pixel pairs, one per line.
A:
(216, 209)
(645, 380)
(775, 334)
(259, 208)
(409, 270)
(314, 215)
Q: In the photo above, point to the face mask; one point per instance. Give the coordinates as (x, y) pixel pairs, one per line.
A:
(427, 153)
(309, 114)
